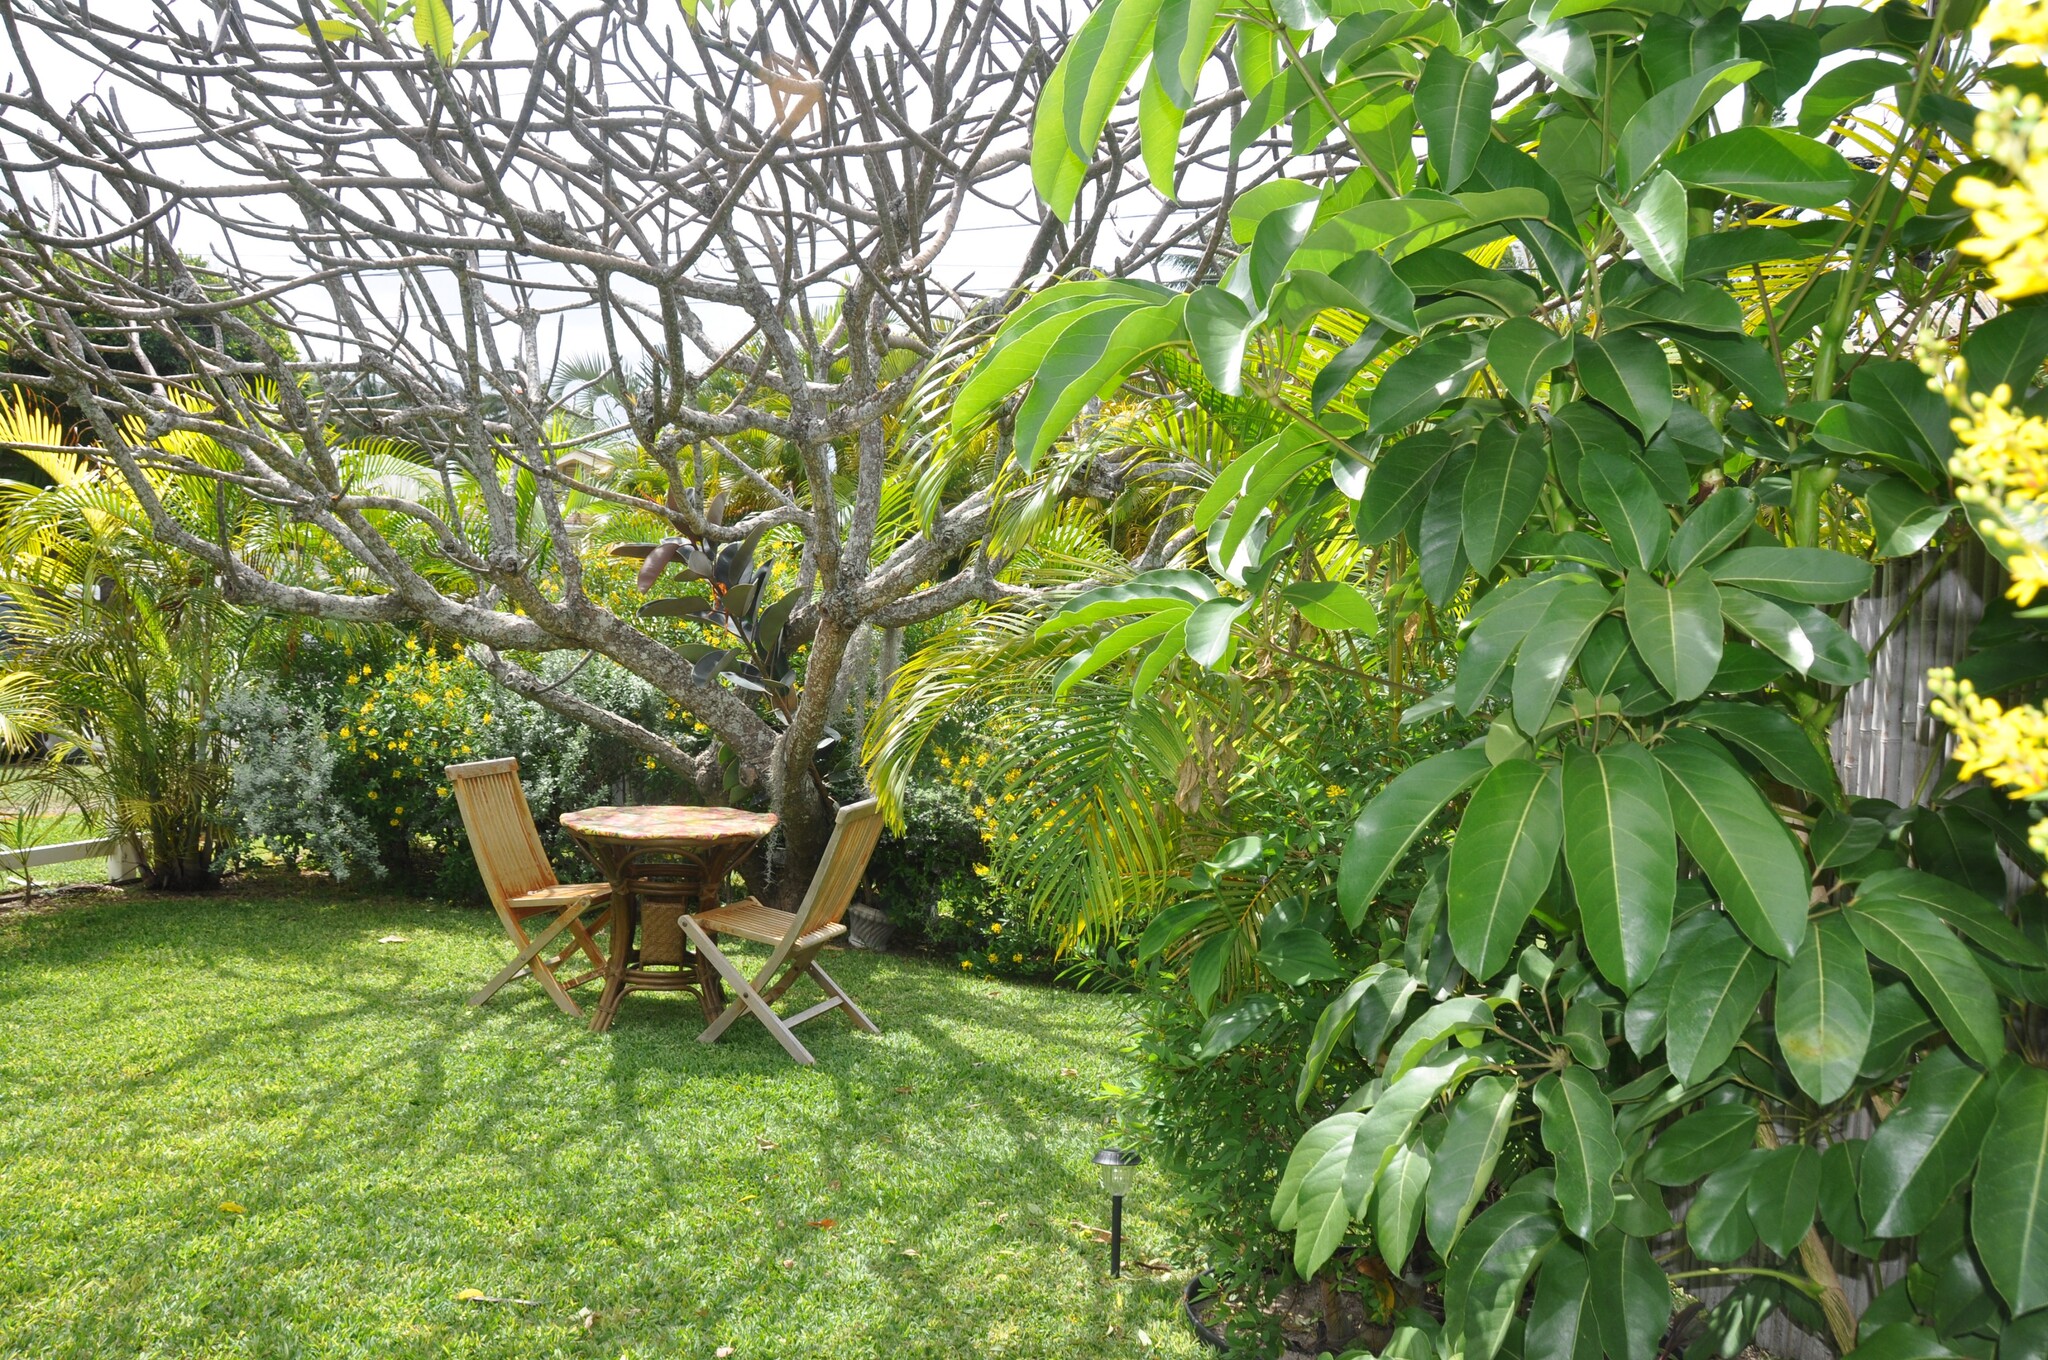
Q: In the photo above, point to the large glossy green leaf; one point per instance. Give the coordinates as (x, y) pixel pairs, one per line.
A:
(1523, 351)
(1397, 1203)
(1383, 294)
(1713, 999)
(1717, 1225)
(1745, 850)
(1331, 1026)
(1389, 824)
(1564, 1311)
(1218, 324)
(1634, 1298)
(1119, 643)
(1019, 349)
(1180, 46)
(1701, 1144)
(1503, 619)
(1501, 862)
(1629, 375)
(2009, 349)
(1845, 87)
(1578, 1130)
(1779, 744)
(1906, 935)
(1741, 359)
(1926, 1146)
(1657, 124)
(1824, 1012)
(1971, 915)
(1902, 517)
(1335, 606)
(1075, 104)
(1439, 536)
(1770, 624)
(1502, 490)
(1463, 1165)
(1769, 165)
(1717, 522)
(1623, 855)
(1091, 355)
(1618, 492)
(1804, 575)
(1454, 104)
(1425, 378)
(1654, 221)
(2009, 1202)
(1784, 1193)
(1340, 1180)
(1488, 1269)
(1400, 482)
(1550, 649)
(1676, 629)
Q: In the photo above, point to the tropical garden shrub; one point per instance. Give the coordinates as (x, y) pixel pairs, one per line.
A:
(119, 647)
(1624, 371)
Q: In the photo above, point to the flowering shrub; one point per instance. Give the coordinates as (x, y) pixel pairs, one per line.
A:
(391, 718)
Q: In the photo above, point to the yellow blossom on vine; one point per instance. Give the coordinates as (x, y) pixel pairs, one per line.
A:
(981, 870)
(1334, 791)
(995, 928)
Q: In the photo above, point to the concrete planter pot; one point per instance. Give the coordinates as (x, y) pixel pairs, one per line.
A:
(868, 927)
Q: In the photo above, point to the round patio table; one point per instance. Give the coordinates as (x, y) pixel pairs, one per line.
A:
(661, 862)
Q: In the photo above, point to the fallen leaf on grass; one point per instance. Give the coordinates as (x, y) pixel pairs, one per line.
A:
(589, 1318)
(228, 1206)
(912, 1251)
(765, 1145)
(1070, 1071)
(905, 1090)
(1099, 1234)
(722, 1352)
(392, 939)
(744, 1199)
(478, 1296)
(820, 1222)
(787, 1263)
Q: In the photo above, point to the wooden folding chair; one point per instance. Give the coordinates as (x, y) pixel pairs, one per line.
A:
(522, 882)
(796, 936)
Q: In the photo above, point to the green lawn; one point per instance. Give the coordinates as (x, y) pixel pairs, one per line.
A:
(166, 1061)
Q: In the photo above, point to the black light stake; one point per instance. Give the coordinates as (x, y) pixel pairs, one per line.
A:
(1119, 1169)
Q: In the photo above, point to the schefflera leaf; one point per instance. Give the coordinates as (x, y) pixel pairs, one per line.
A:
(1502, 862)
(1622, 851)
(1825, 1009)
(1748, 855)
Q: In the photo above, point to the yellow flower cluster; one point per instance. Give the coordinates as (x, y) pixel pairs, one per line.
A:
(2023, 23)
(2001, 467)
(2011, 219)
(2008, 746)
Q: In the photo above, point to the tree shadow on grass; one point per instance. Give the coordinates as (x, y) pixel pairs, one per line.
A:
(641, 1172)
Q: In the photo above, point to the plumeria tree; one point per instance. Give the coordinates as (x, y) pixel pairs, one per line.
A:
(391, 223)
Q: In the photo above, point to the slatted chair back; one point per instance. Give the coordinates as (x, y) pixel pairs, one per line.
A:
(854, 834)
(501, 831)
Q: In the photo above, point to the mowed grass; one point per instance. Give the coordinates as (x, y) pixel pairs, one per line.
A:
(241, 1125)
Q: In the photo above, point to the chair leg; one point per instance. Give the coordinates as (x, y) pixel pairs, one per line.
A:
(530, 959)
(833, 989)
(749, 999)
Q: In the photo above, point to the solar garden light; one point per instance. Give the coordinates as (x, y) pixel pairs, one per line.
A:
(1119, 1169)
